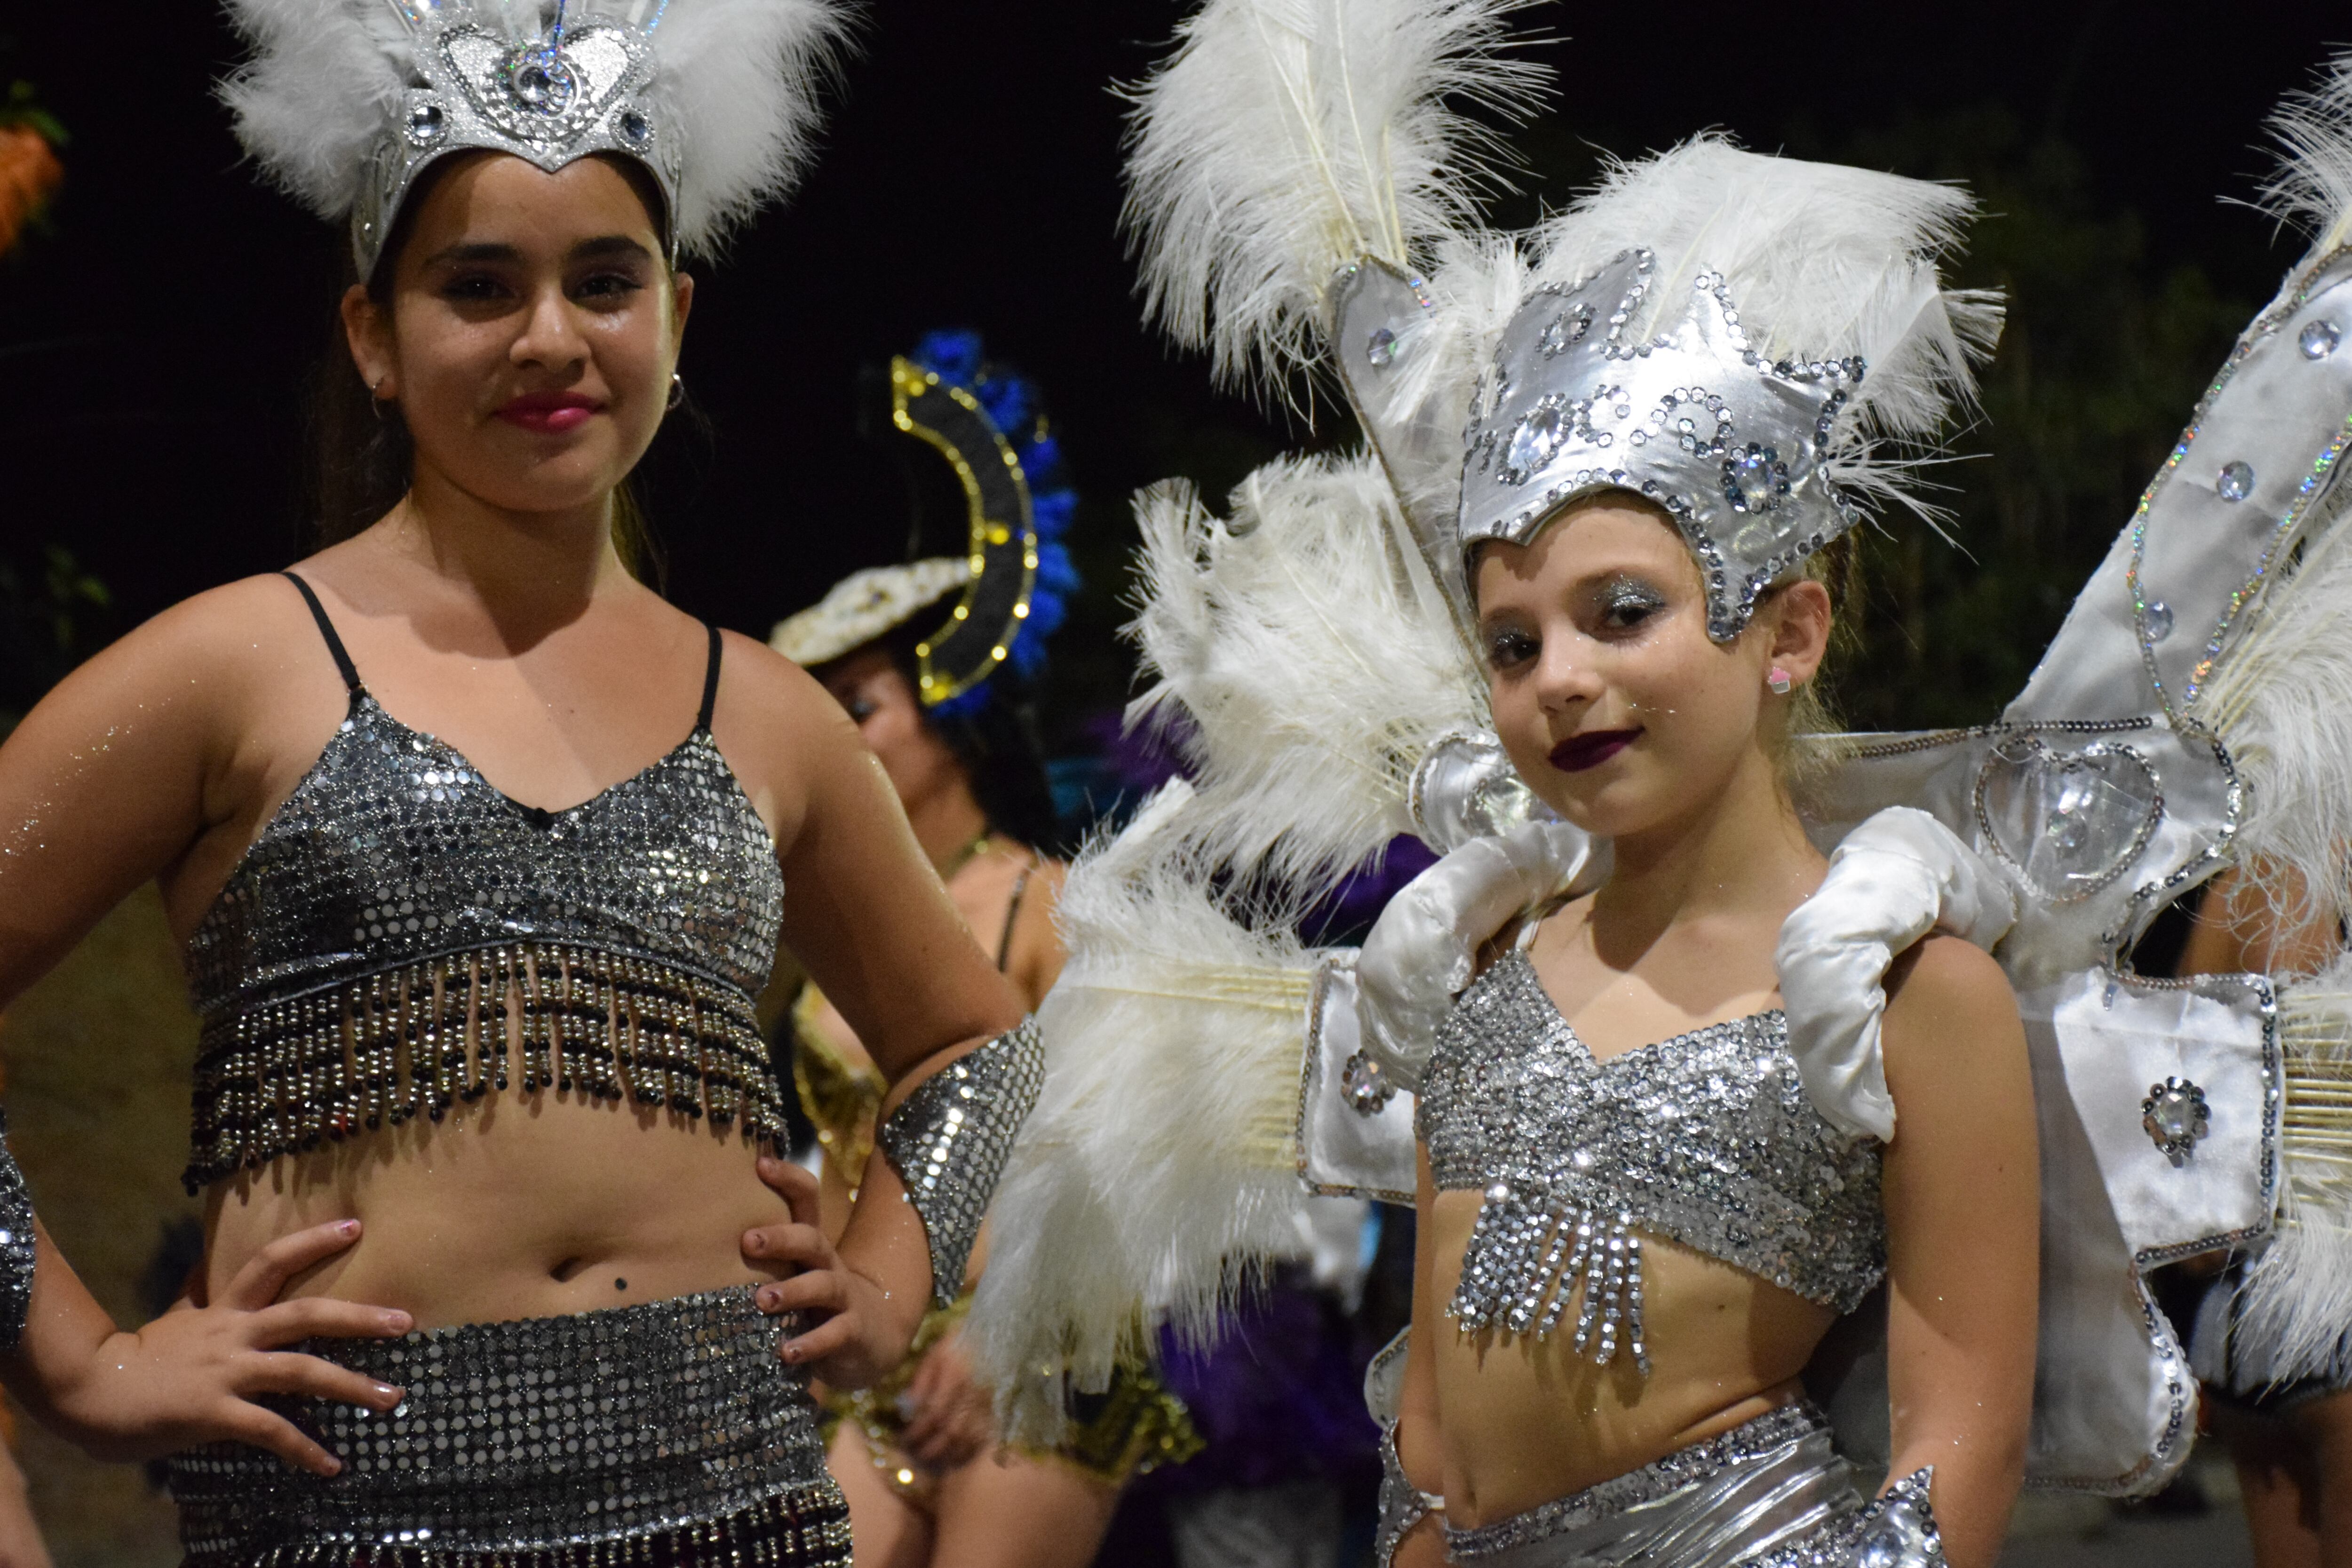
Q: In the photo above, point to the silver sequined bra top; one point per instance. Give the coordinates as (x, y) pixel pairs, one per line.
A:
(1707, 1139)
(402, 936)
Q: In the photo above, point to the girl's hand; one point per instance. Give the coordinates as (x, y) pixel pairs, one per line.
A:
(859, 1334)
(950, 1420)
(192, 1375)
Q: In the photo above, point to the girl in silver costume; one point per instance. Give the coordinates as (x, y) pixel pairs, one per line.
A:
(500, 1262)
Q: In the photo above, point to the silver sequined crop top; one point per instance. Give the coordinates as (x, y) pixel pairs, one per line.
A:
(403, 936)
(1707, 1138)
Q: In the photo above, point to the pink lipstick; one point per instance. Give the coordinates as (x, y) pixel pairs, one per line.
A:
(1590, 749)
(549, 413)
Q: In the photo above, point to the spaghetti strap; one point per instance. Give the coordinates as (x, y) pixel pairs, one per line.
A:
(1013, 914)
(327, 630)
(709, 683)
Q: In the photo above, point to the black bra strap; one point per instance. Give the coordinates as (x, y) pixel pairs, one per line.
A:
(709, 683)
(327, 630)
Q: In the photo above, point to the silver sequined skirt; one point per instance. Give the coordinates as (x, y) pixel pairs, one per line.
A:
(1769, 1493)
(666, 1433)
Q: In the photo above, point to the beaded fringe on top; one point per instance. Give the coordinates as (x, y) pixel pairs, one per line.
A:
(285, 1077)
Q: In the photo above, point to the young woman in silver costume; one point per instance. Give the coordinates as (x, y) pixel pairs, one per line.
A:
(479, 852)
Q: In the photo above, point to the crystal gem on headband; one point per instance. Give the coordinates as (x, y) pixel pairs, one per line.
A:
(1730, 443)
(553, 99)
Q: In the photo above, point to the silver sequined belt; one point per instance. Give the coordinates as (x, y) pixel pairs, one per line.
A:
(667, 1432)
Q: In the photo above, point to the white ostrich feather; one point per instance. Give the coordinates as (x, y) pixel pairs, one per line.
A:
(1119, 1210)
(1309, 672)
(2296, 1299)
(1822, 261)
(742, 79)
(738, 81)
(2282, 702)
(2313, 187)
(320, 89)
(1285, 138)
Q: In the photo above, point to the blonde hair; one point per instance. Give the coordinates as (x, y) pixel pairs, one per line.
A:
(1812, 707)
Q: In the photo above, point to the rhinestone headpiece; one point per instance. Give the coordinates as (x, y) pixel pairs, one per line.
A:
(567, 92)
(1731, 444)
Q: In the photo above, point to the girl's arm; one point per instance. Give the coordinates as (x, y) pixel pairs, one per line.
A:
(1963, 1238)
(1419, 1445)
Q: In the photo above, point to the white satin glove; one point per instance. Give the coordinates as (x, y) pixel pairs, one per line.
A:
(1422, 951)
(1899, 874)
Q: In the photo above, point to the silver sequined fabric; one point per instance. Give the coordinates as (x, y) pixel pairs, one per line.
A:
(1707, 1138)
(1769, 1493)
(949, 1138)
(634, 1434)
(17, 1248)
(397, 902)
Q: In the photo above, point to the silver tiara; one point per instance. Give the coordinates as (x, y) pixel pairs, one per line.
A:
(554, 98)
(1730, 443)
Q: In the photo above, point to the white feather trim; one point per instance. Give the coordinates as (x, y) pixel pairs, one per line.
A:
(1285, 138)
(1312, 673)
(1159, 1167)
(2295, 1310)
(1823, 260)
(2313, 187)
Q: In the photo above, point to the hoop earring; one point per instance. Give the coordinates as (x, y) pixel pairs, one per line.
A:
(1780, 680)
(676, 393)
(375, 402)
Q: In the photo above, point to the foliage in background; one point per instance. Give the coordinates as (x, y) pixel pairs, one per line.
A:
(29, 170)
(51, 618)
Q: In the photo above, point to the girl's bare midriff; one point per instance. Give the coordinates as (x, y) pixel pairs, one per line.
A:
(1526, 1420)
(518, 1206)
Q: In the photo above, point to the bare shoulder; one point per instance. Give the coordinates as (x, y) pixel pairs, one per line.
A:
(220, 646)
(782, 733)
(761, 689)
(1948, 1005)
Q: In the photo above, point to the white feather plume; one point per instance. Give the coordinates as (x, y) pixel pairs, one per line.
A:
(1822, 261)
(1118, 1212)
(742, 80)
(1309, 673)
(739, 79)
(2313, 187)
(1285, 138)
(322, 89)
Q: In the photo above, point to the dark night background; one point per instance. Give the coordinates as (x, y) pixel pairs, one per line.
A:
(155, 341)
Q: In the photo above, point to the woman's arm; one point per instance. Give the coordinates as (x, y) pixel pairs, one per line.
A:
(1963, 1238)
(121, 773)
(866, 916)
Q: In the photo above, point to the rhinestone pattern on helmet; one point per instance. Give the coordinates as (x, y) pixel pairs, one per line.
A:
(399, 921)
(949, 1138)
(593, 1439)
(1707, 1138)
(1729, 442)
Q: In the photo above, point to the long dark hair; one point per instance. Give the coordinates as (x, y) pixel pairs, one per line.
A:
(362, 456)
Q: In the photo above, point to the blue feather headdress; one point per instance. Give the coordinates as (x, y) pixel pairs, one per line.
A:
(1015, 576)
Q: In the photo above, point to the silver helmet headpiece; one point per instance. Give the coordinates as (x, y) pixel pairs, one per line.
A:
(348, 102)
(1730, 443)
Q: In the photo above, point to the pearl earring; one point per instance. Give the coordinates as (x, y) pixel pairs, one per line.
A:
(1780, 680)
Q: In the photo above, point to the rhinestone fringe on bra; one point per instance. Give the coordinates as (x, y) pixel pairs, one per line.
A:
(285, 1077)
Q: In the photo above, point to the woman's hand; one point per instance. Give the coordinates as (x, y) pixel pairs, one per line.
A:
(859, 1333)
(193, 1374)
(949, 1417)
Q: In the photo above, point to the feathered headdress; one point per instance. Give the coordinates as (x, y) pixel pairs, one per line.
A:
(346, 102)
(1015, 575)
